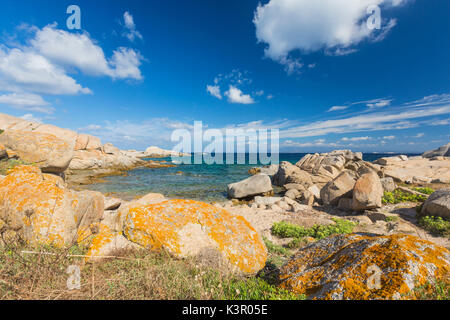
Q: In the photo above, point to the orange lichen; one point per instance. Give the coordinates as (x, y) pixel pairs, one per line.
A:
(341, 267)
(40, 208)
(159, 226)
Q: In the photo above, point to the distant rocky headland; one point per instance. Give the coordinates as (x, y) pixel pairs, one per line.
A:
(322, 225)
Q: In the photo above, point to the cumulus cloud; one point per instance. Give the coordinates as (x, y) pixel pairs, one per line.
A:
(335, 27)
(131, 33)
(235, 95)
(214, 91)
(237, 82)
(43, 65)
(26, 101)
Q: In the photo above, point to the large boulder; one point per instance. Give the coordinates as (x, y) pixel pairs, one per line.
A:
(340, 187)
(47, 151)
(41, 210)
(443, 151)
(368, 192)
(438, 204)
(327, 166)
(360, 267)
(186, 228)
(388, 184)
(253, 186)
(289, 173)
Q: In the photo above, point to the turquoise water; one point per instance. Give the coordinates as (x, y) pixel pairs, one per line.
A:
(198, 182)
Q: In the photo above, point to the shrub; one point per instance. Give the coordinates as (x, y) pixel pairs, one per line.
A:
(425, 190)
(288, 230)
(399, 196)
(436, 225)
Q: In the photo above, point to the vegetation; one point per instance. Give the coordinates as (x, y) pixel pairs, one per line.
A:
(399, 196)
(439, 290)
(424, 190)
(435, 225)
(288, 230)
(134, 275)
(1, 131)
(9, 164)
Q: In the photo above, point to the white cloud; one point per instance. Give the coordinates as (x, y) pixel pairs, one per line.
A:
(419, 135)
(75, 50)
(389, 138)
(356, 139)
(335, 26)
(71, 50)
(378, 103)
(126, 64)
(29, 71)
(214, 91)
(337, 108)
(26, 101)
(43, 65)
(235, 95)
(131, 33)
(270, 96)
(31, 117)
(291, 66)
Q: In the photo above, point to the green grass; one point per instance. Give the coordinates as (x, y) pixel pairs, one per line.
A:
(276, 249)
(257, 289)
(399, 196)
(424, 190)
(288, 230)
(439, 290)
(435, 225)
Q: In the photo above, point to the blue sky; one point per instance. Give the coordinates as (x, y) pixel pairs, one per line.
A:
(140, 69)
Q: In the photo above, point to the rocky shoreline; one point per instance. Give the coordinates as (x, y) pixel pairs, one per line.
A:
(336, 205)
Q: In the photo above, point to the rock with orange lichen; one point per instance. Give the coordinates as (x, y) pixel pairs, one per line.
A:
(49, 152)
(108, 243)
(186, 228)
(41, 210)
(3, 153)
(362, 267)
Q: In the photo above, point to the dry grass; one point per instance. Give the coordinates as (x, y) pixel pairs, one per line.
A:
(133, 276)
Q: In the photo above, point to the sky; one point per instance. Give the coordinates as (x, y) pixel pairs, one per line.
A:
(366, 75)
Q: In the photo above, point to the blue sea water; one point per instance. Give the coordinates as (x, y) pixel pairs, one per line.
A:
(189, 181)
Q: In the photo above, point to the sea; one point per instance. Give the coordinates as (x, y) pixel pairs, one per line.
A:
(201, 182)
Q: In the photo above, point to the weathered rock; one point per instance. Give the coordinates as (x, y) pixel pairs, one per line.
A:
(253, 186)
(388, 184)
(343, 267)
(112, 203)
(443, 151)
(293, 194)
(315, 191)
(266, 201)
(94, 143)
(438, 204)
(269, 170)
(289, 173)
(388, 160)
(194, 229)
(341, 187)
(345, 204)
(42, 211)
(368, 192)
(110, 149)
(47, 151)
(3, 153)
(295, 186)
(108, 243)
